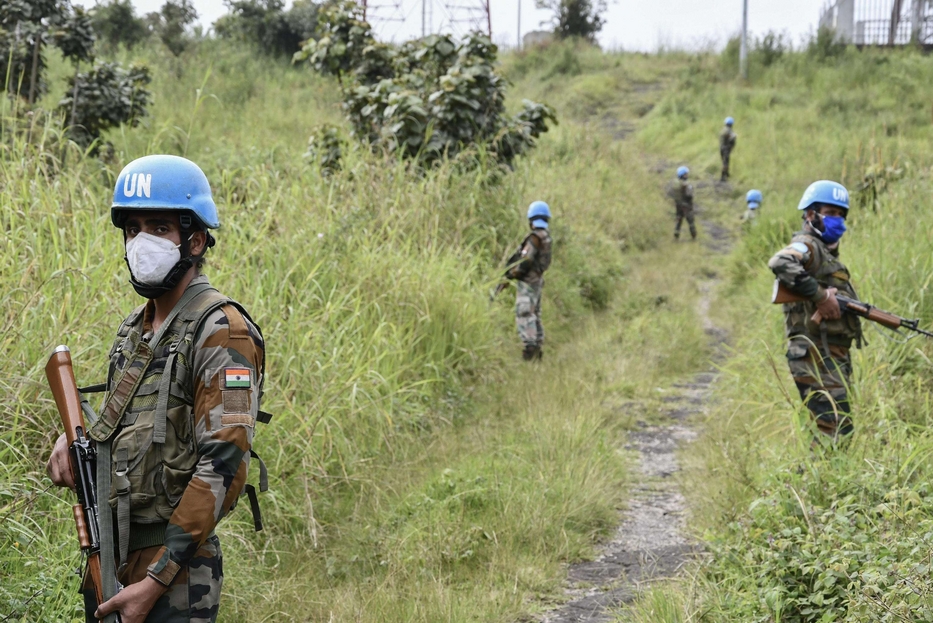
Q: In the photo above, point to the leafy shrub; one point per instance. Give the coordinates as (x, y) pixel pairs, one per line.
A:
(105, 97)
(428, 99)
(325, 149)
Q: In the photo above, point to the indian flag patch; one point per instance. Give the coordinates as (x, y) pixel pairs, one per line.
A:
(236, 377)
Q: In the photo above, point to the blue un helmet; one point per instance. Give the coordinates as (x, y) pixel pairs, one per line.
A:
(753, 199)
(539, 214)
(682, 172)
(165, 183)
(730, 121)
(825, 191)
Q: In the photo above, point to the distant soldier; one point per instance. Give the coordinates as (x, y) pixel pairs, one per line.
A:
(818, 345)
(683, 201)
(727, 140)
(526, 268)
(753, 202)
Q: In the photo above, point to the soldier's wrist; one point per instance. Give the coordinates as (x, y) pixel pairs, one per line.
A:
(821, 295)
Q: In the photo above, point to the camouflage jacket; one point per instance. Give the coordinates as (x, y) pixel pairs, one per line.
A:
(533, 257)
(808, 267)
(683, 195)
(183, 470)
(727, 139)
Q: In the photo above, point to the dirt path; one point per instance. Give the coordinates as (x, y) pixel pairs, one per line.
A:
(651, 542)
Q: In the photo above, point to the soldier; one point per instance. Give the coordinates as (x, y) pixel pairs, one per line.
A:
(753, 202)
(727, 140)
(819, 337)
(175, 433)
(683, 202)
(527, 268)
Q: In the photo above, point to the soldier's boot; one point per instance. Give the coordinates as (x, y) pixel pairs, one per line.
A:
(693, 233)
(531, 352)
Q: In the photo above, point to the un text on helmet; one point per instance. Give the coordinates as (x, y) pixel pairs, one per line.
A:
(138, 184)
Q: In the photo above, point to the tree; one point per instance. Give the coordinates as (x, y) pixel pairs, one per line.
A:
(266, 24)
(116, 23)
(171, 23)
(26, 27)
(575, 18)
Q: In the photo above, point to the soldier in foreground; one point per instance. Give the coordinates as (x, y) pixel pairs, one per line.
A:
(819, 336)
(752, 203)
(175, 433)
(727, 139)
(683, 202)
(526, 268)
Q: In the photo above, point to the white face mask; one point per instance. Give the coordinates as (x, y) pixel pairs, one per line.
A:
(151, 258)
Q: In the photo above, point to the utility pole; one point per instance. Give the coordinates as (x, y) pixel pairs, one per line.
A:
(743, 51)
(518, 31)
(424, 15)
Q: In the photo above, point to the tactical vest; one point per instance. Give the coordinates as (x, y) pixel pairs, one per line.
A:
(682, 199)
(542, 260)
(148, 416)
(829, 272)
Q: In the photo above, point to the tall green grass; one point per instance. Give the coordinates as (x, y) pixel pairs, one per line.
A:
(419, 471)
(795, 536)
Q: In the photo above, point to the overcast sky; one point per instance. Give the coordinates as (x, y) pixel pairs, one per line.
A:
(630, 24)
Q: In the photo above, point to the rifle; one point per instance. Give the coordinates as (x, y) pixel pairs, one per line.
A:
(513, 261)
(783, 294)
(61, 377)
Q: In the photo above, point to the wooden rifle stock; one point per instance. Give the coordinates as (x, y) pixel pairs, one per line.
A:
(60, 375)
(783, 294)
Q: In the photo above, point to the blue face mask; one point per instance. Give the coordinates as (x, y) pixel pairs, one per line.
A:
(833, 228)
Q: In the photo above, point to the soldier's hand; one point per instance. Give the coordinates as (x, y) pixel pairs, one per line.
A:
(134, 602)
(59, 466)
(828, 308)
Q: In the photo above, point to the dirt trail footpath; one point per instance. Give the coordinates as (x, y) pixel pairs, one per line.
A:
(651, 543)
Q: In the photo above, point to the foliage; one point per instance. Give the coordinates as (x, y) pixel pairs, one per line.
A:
(26, 27)
(428, 100)
(171, 24)
(826, 45)
(770, 48)
(107, 96)
(325, 149)
(265, 24)
(116, 23)
(74, 36)
(575, 18)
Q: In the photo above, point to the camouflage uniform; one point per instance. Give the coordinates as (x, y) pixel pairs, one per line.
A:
(683, 200)
(818, 354)
(179, 416)
(534, 257)
(727, 139)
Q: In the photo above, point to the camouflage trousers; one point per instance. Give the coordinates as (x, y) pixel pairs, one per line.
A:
(725, 154)
(194, 596)
(528, 314)
(823, 385)
(685, 213)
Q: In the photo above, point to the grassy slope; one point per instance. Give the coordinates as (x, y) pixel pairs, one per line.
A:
(844, 537)
(419, 471)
